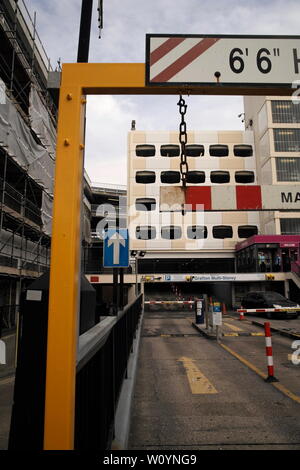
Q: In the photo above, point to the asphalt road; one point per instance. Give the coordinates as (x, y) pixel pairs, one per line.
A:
(194, 394)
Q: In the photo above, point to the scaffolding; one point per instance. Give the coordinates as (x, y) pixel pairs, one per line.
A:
(27, 155)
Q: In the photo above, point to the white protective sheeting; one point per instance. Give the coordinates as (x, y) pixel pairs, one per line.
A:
(17, 139)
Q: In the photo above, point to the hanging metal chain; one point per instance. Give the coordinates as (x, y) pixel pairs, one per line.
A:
(183, 140)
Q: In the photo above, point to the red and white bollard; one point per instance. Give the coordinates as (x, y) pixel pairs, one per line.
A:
(269, 353)
(242, 316)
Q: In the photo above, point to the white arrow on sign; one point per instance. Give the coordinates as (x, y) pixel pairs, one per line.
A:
(116, 240)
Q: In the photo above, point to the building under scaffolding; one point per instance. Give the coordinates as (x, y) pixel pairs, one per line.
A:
(27, 155)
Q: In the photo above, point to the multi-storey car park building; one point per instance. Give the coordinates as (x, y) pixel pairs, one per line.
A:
(201, 243)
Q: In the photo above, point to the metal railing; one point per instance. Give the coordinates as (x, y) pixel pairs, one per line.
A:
(101, 368)
(15, 200)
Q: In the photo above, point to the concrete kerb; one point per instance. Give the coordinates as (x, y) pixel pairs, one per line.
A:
(288, 334)
(123, 412)
(204, 332)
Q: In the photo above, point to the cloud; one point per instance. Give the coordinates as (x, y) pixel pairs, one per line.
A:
(123, 40)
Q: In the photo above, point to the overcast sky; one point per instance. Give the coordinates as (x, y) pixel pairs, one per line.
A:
(126, 23)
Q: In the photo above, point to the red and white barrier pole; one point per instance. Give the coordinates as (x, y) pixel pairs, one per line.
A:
(269, 353)
(242, 317)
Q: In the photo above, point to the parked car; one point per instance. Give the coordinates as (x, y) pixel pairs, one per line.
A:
(270, 299)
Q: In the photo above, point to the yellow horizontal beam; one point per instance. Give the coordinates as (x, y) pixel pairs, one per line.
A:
(129, 78)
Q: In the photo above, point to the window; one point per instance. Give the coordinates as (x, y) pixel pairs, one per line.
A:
(172, 232)
(145, 150)
(195, 177)
(290, 226)
(145, 204)
(288, 169)
(220, 177)
(145, 177)
(145, 232)
(170, 150)
(222, 231)
(287, 140)
(194, 150)
(196, 232)
(244, 177)
(246, 231)
(243, 150)
(285, 112)
(218, 150)
(170, 177)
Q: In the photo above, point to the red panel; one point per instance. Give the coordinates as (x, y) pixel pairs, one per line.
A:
(94, 278)
(248, 197)
(198, 195)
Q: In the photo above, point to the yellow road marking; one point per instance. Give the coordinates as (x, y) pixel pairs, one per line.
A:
(233, 327)
(230, 334)
(257, 334)
(277, 385)
(199, 384)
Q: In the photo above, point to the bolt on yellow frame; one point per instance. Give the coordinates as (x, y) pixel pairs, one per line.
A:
(79, 80)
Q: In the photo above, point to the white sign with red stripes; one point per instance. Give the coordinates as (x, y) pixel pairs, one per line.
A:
(236, 60)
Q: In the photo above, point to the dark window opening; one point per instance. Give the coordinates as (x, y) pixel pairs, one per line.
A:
(196, 232)
(222, 231)
(218, 150)
(170, 177)
(246, 231)
(243, 150)
(194, 150)
(145, 177)
(145, 150)
(170, 150)
(244, 177)
(145, 204)
(195, 177)
(145, 232)
(172, 232)
(220, 177)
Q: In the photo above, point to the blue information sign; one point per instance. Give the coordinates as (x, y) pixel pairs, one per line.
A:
(116, 249)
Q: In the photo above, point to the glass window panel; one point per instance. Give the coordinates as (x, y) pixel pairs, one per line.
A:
(288, 169)
(285, 112)
(290, 226)
(287, 140)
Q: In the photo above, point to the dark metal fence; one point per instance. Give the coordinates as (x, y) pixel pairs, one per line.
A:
(101, 369)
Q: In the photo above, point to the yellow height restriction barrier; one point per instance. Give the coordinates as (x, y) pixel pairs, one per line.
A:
(77, 81)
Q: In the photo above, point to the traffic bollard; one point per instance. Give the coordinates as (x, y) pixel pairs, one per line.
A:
(269, 353)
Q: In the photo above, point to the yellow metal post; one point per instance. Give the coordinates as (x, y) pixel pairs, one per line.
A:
(64, 273)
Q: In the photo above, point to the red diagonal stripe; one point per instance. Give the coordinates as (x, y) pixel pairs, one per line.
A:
(185, 60)
(164, 48)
